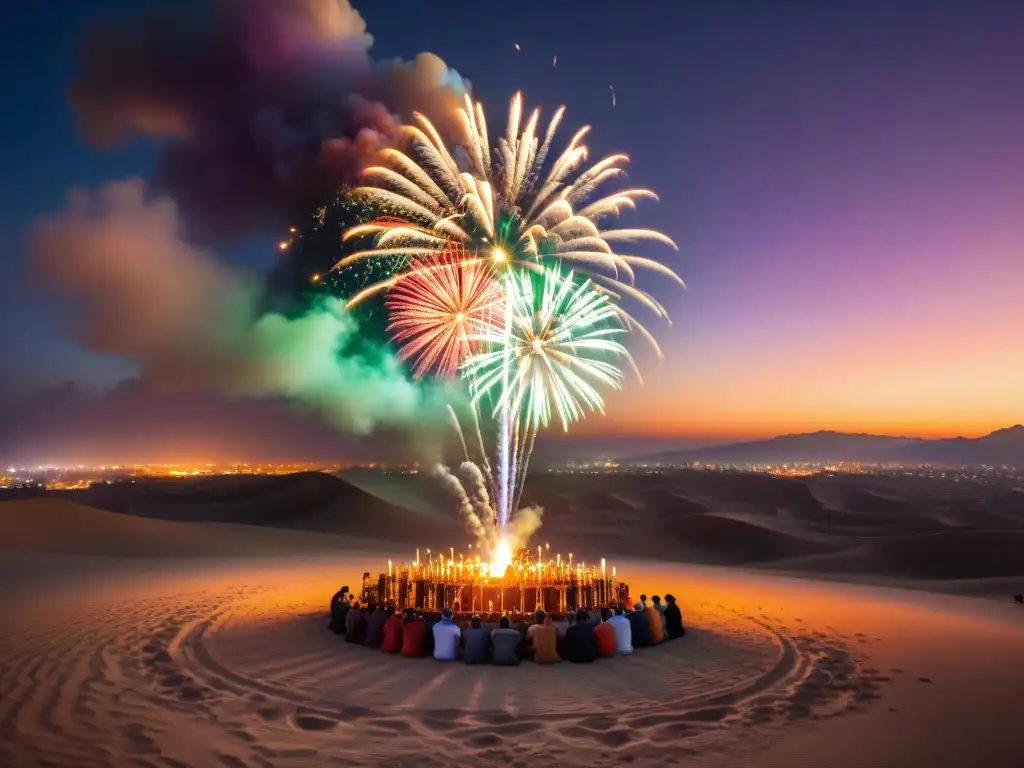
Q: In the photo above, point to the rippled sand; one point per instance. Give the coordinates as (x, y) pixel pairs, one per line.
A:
(234, 666)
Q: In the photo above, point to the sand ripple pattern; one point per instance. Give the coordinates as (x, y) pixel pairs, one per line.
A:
(250, 677)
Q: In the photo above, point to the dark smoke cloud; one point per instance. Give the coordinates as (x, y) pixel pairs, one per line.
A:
(138, 290)
(267, 105)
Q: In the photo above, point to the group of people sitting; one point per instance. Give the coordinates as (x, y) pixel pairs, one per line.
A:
(581, 638)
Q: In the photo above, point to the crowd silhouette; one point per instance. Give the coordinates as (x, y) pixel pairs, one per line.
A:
(581, 638)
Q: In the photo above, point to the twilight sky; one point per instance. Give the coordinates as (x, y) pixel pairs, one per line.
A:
(845, 182)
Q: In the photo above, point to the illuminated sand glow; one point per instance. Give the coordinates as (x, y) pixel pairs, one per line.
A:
(516, 583)
(231, 664)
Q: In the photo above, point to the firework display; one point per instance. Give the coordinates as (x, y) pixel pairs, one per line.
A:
(507, 277)
(440, 309)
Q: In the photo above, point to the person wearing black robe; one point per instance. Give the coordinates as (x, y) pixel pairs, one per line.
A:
(339, 611)
(580, 643)
(673, 619)
(355, 625)
(375, 628)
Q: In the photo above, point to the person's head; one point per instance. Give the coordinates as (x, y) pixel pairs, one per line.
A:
(656, 600)
(605, 614)
(446, 614)
(475, 621)
(355, 604)
(582, 617)
(410, 614)
(504, 623)
(540, 616)
(391, 610)
(643, 598)
(549, 619)
(344, 590)
(670, 599)
(620, 611)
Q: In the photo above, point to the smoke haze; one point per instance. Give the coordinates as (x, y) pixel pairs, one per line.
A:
(267, 106)
(136, 289)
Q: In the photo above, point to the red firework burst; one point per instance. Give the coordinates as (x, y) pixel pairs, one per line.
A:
(436, 309)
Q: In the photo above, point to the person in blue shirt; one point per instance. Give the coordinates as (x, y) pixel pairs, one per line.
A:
(580, 643)
(623, 631)
(640, 626)
(446, 637)
(476, 642)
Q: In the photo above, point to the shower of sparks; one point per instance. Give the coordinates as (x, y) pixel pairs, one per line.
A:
(562, 343)
(438, 309)
(516, 205)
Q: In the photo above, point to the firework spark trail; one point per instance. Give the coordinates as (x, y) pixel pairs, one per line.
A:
(503, 440)
(527, 449)
(458, 430)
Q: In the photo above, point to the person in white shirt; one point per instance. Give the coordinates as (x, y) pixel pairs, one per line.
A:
(446, 637)
(623, 632)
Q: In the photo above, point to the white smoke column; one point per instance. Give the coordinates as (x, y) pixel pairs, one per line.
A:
(522, 526)
(466, 507)
(476, 486)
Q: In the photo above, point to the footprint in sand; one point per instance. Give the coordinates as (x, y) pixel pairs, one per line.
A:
(617, 738)
(485, 740)
(307, 721)
(925, 679)
(270, 713)
(190, 693)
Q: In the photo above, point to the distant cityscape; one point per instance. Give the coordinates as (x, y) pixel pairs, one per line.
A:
(981, 475)
(83, 476)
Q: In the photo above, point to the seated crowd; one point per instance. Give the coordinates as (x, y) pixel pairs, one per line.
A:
(581, 639)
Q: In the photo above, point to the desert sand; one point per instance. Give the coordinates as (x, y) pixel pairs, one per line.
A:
(132, 640)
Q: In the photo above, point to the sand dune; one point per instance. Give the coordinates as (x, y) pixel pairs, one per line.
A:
(309, 501)
(941, 556)
(710, 538)
(59, 526)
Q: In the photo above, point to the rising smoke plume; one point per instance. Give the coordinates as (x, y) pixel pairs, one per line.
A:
(470, 490)
(267, 106)
(136, 289)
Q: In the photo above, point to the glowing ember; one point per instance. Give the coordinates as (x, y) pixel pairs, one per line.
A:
(501, 559)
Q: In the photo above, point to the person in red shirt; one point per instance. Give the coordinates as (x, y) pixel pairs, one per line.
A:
(604, 634)
(413, 633)
(392, 632)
